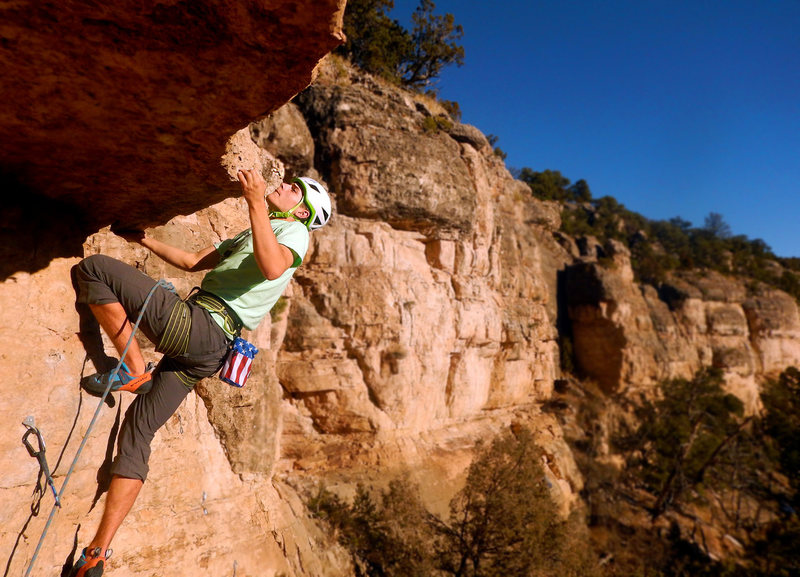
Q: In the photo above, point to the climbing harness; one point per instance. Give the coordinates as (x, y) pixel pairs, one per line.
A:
(213, 304)
(39, 454)
(175, 338)
(161, 283)
(238, 360)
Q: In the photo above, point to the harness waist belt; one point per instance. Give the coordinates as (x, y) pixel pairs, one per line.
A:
(213, 304)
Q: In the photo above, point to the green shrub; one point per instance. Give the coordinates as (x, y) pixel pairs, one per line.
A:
(277, 310)
(659, 247)
(680, 436)
(503, 522)
(434, 124)
(781, 401)
(390, 536)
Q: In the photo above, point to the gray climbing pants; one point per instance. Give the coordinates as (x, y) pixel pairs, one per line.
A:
(194, 347)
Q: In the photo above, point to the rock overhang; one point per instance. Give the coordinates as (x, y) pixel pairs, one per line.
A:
(119, 113)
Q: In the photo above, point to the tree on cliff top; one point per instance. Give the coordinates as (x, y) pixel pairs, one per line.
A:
(715, 224)
(433, 46)
(552, 185)
(375, 42)
(382, 46)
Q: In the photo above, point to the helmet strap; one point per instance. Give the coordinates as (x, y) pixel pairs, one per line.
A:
(289, 213)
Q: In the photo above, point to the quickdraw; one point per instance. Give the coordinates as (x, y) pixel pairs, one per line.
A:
(39, 454)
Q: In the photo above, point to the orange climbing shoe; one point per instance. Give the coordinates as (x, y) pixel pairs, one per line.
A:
(91, 563)
(122, 381)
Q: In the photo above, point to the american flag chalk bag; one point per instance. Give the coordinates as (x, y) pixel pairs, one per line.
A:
(238, 362)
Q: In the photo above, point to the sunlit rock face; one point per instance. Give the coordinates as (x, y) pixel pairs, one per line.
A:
(425, 318)
(402, 342)
(428, 297)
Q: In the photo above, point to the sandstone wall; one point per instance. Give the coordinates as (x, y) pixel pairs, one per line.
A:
(630, 337)
(425, 317)
(422, 321)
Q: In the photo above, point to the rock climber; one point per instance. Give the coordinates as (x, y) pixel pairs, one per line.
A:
(247, 275)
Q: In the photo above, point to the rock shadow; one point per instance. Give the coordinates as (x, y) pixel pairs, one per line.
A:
(35, 229)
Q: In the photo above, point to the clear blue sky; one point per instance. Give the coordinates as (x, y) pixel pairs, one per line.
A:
(673, 107)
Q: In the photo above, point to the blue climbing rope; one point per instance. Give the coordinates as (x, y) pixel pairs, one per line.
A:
(161, 283)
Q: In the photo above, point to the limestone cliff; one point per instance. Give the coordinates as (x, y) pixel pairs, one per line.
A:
(426, 317)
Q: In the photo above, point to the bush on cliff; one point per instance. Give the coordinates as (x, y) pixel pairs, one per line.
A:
(390, 536)
(781, 400)
(503, 522)
(680, 437)
(773, 549)
(690, 453)
(661, 246)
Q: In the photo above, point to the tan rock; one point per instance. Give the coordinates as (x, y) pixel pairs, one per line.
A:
(622, 340)
(425, 317)
(387, 167)
(774, 326)
(241, 153)
(285, 135)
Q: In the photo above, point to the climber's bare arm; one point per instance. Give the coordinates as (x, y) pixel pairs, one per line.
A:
(272, 257)
(204, 259)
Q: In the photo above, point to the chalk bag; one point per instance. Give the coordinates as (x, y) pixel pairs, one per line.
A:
(238, 362)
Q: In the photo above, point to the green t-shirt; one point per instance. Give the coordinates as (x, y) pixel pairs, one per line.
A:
(240, 283)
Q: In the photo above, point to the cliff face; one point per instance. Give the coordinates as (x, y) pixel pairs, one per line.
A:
(422, 321)
(424, 318)
(628, 336)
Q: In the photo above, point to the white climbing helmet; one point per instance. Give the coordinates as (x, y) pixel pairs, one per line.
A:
(317, 200)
